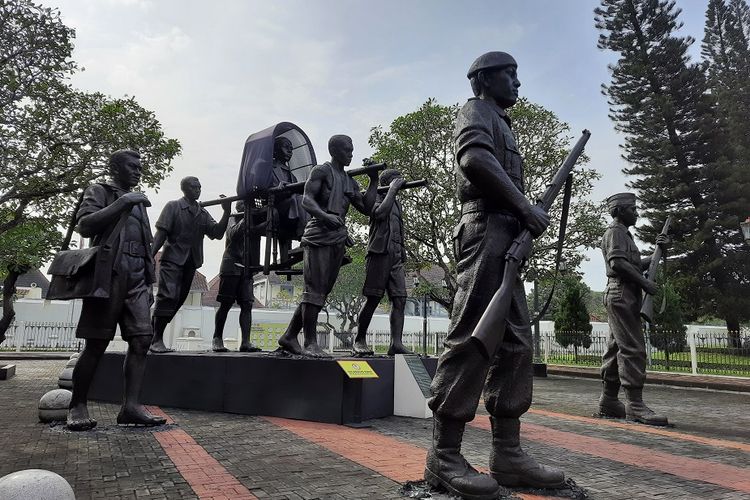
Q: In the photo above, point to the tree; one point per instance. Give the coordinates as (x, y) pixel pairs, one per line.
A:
(661, 101)
(346, 297)
(55, 140)
(668, 331)
(572, 325)
(420, 145)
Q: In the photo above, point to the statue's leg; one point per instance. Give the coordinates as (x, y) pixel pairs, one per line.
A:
(507, 396)
(363, 323)
(246, 321)
(134, 368)
(83, 374)
(219, 321)
(174, 288)
(398, 307)
(310, 328)
(288, 341)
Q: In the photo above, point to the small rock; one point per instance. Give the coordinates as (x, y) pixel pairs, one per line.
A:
(54, 406)
(35, 483)
(75, 355)
(71, 362)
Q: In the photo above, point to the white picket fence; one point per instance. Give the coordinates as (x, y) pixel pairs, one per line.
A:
(41, 336)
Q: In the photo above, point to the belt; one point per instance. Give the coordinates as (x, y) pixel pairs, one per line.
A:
(480, 205)
(134, 248)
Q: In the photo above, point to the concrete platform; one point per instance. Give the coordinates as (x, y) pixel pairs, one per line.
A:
(257, 384)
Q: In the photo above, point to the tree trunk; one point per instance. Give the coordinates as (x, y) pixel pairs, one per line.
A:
(733, 332)
(9, 290)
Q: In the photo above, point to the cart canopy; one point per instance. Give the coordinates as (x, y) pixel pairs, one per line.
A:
(256, 169)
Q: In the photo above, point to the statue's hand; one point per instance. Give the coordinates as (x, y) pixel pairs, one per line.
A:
(536, 220)
(225, 205)
(135, 198)
(333, 221)
(397, 183)
(663, 241)
(650, 287)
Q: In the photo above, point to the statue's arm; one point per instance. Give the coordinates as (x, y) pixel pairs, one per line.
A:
(364, 202)
(97, 217)
(159, 238)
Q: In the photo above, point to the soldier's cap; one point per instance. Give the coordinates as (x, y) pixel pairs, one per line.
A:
(491, 60)
(620, 200)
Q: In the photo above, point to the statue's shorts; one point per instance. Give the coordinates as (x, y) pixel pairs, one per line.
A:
(321, 265)
(385, 272)
(175, 281)
(128, 305)
(235, 288)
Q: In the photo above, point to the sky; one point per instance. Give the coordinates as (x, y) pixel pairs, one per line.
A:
(216, 72)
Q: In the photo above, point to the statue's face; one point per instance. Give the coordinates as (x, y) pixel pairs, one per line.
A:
(344, 153)
(192, 189)
(501, 86)
(628, 215)
(128, 173)
(283, 151)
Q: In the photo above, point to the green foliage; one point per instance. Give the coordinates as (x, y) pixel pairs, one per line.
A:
(668, 331)
(686, 141)
(572, 325)
(55, 140)
(346, 297)
(420, 145)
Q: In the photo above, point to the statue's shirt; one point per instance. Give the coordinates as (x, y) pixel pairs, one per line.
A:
(617, 243)
(335, 193)
(484, 124)
(186, 224)
(386, 233)
(137, 228)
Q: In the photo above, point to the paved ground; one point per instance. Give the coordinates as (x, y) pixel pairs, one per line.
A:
(221, 456)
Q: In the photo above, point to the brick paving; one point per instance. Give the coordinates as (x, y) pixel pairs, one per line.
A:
(214, 455)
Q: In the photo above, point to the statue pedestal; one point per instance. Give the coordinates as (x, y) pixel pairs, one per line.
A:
(256, 384)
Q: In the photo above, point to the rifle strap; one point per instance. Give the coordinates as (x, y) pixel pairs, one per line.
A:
(560, 242)
(664, 295)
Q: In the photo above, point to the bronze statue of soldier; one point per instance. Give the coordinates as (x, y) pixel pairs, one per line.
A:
(105, 208)
(490, 186)
(236, 281)
(624, 362)
(180, 229)
(328, 193)
(385, 266)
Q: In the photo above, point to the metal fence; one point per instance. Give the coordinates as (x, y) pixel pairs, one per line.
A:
(698, 354)
(41, 336)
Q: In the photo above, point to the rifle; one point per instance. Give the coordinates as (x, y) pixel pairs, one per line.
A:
(367, 167)
(647, 308)
(490, 329)
(406, 185)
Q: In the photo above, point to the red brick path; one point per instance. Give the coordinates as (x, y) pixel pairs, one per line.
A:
(206, 476)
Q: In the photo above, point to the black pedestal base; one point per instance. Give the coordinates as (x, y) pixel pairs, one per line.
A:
(540, 370)
(256, 384)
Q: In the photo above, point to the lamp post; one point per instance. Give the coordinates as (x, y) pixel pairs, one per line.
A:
(745, 226)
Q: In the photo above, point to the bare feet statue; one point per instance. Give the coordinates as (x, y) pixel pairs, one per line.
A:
(385, 266)
(78, 418)
(138, 415)
(180, 230)
(218, 345)
(247, 346)
(328, 193)
(115, 209)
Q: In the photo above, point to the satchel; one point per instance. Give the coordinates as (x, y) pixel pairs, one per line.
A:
(84, 273)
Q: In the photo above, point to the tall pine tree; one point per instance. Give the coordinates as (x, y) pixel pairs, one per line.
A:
(662, 102)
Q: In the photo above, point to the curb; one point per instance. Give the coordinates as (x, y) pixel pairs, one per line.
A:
(35, 355)
(734, 384)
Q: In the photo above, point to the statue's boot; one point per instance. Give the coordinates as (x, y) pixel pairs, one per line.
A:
(609, 405)
(446, 466)
(511, 466)
(249, 347)
(636, 409)
(360, 348)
